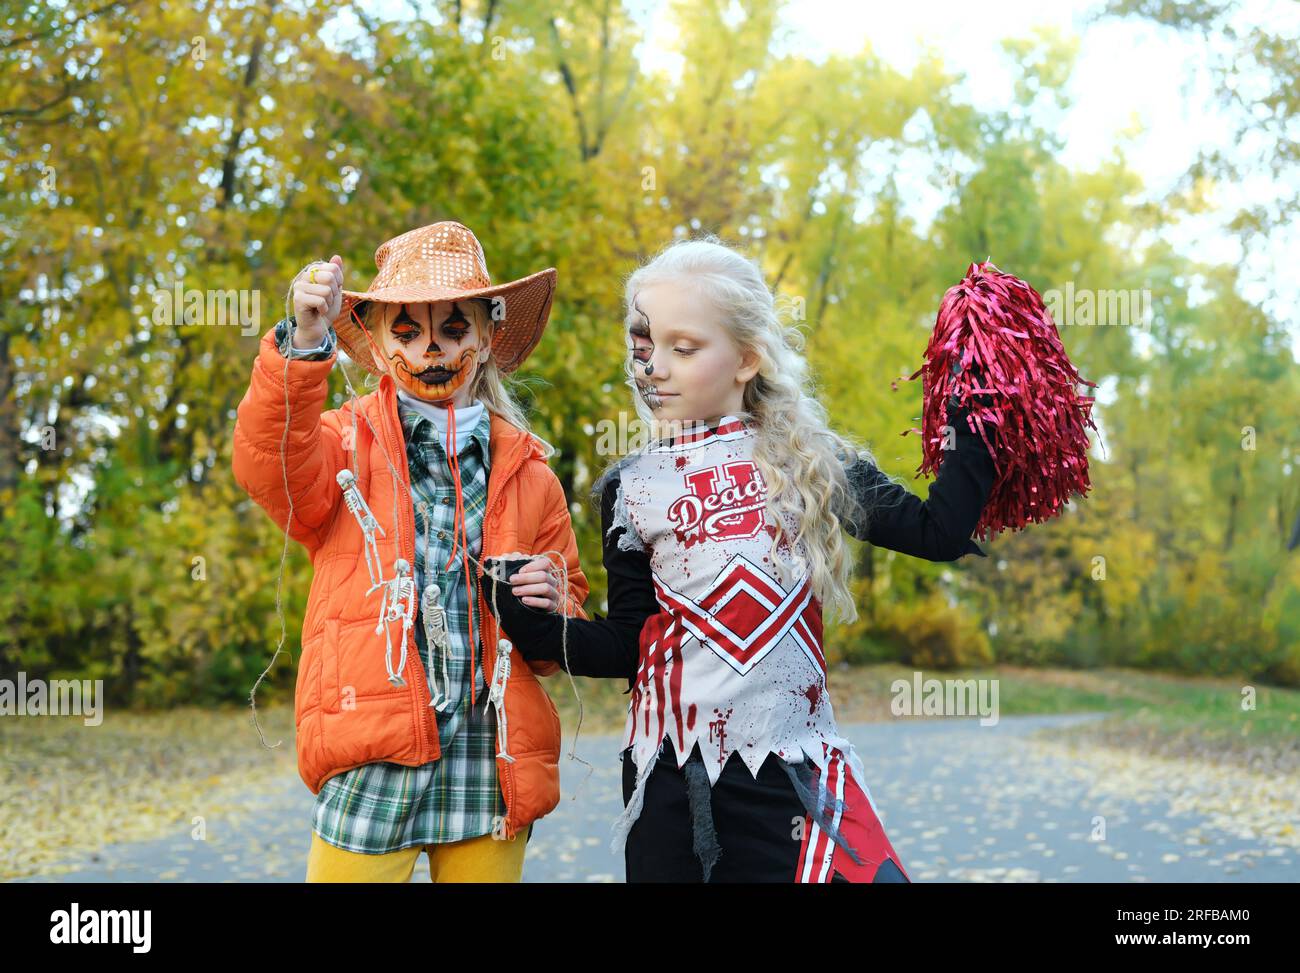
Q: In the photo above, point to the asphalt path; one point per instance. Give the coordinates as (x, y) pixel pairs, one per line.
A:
(961, 802)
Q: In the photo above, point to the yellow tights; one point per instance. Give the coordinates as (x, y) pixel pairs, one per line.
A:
(481, 859)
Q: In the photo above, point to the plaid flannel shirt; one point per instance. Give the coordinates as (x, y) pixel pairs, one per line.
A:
(382, 807)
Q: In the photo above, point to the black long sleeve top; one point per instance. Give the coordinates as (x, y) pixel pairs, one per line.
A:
(937, 529)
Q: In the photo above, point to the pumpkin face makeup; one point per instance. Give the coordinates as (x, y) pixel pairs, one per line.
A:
(433, 349)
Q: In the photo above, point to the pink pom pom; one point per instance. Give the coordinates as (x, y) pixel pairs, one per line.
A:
(1021, 398)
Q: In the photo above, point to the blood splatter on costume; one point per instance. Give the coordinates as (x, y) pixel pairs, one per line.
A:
(733, 659)
(730, 728)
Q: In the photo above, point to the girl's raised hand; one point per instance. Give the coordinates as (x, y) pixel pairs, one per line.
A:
(317, 303)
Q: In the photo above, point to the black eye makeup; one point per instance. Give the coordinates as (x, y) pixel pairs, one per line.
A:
(457, 325)
(640, 332)
(641, 347)
(404, 327)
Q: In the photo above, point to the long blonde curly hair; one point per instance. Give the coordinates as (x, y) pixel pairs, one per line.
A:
(802, 460)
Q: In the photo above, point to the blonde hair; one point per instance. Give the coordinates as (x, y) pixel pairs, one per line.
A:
(491, 386)
(801, 459)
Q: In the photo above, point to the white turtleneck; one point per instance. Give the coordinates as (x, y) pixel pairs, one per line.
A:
(467, 417)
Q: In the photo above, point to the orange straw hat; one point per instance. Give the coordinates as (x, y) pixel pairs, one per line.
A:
(444, 262)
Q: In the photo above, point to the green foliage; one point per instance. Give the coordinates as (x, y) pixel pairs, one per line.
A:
(154, 145)
(932, 634)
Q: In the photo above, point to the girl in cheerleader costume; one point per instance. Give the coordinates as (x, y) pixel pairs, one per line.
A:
(723, 539)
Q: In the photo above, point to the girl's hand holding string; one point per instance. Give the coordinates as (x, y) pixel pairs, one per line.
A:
(534, 584)
(528, 619)
(317, 301)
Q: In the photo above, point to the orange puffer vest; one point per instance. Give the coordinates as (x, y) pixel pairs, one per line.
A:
(346, 711)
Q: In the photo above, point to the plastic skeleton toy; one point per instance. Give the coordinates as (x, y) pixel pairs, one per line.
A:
(437, 637)
(398, 603)
(399, 592)
(498, 570)
(361, 510)
(497, 696)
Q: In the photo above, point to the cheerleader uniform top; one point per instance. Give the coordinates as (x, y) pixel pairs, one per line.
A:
(720, 642)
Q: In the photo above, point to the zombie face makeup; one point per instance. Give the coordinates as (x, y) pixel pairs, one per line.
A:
(685, 363)
(433, 349)
(642, 349)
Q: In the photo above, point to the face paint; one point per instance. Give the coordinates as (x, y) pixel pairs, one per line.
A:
(642, 349)
(435, 364)
(436, 382)
(699, 372)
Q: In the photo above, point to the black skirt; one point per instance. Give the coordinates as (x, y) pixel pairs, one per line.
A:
(754, 829)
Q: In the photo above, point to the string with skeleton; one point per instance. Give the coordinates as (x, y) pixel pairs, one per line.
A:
(399, 590)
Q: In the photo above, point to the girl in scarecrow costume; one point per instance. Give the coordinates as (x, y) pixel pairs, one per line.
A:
(722, 540)
(398, 495)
